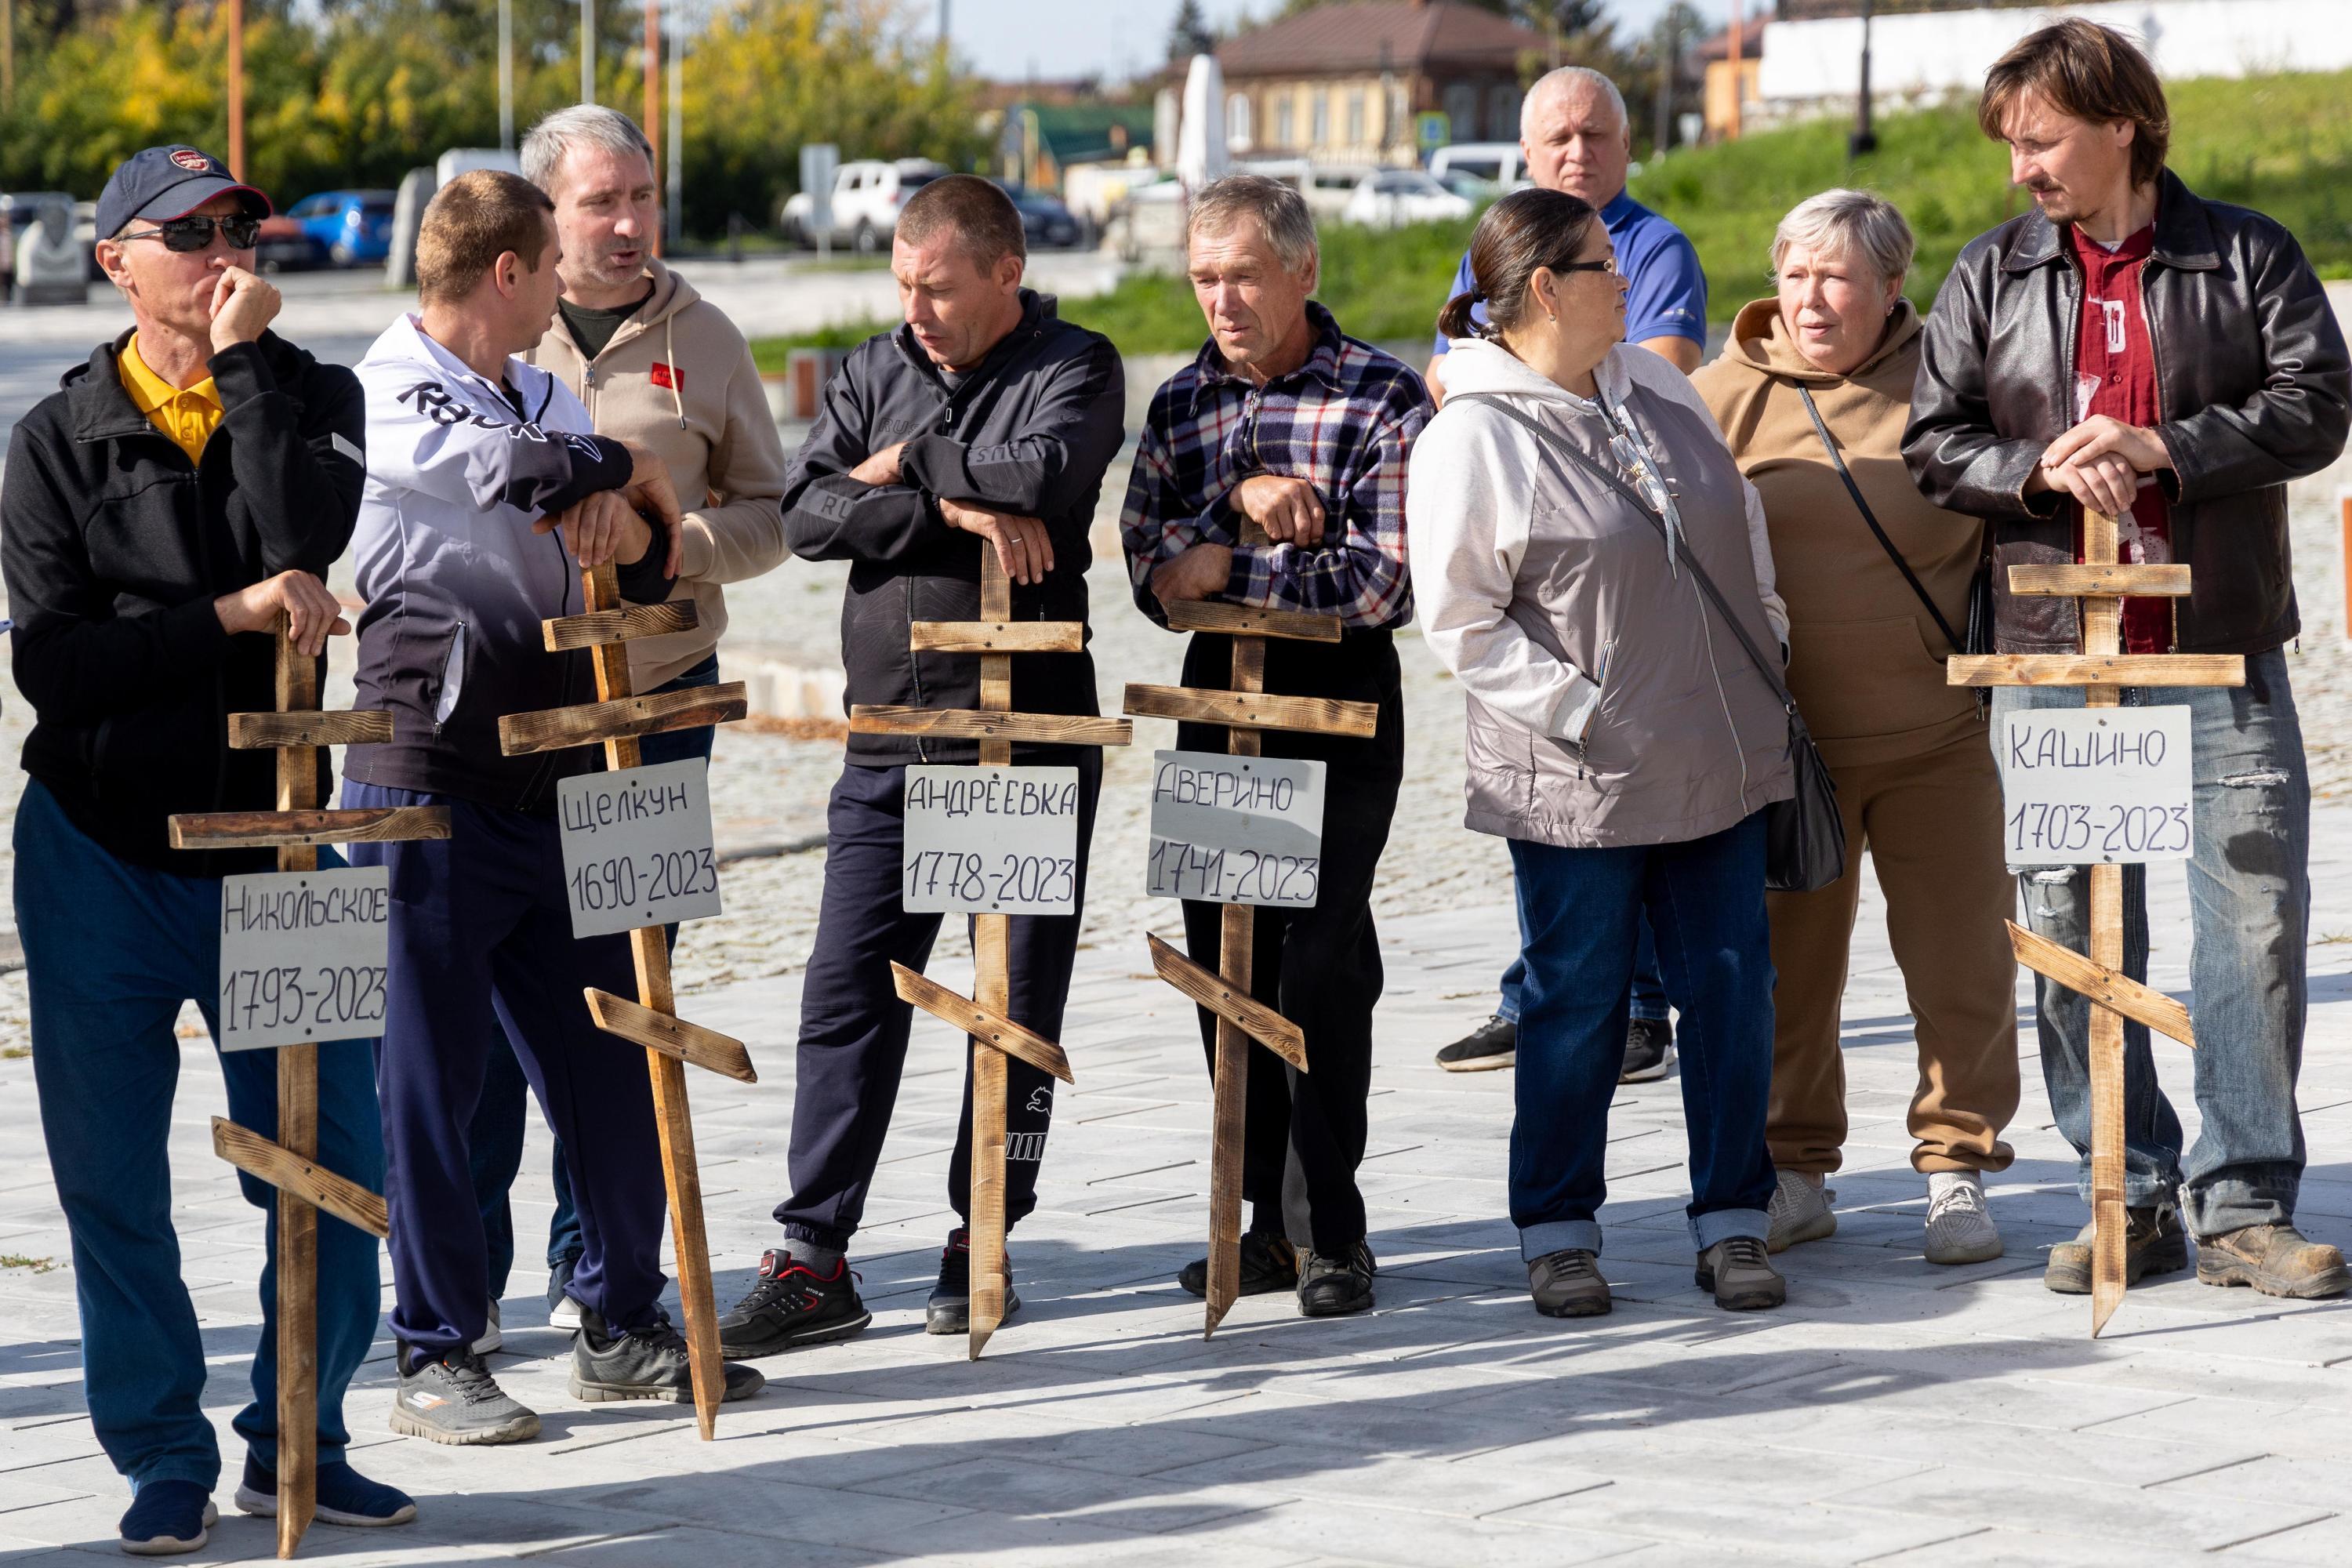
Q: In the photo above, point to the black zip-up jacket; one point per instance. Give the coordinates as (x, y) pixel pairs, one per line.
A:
(1029, 430)
(115, 545)
(2251, 379)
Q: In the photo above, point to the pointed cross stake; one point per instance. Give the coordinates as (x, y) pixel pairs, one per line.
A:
(295, 731)
(996, 636)
(2101, 670)
(616, 720)
(1245, 711)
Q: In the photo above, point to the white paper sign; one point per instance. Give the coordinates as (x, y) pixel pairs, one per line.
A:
(302, 956)
(991, 841)
(2085, 786)
(1235, 830)
(637, 847)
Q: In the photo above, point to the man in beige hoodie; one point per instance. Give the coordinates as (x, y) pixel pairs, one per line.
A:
(657, 365)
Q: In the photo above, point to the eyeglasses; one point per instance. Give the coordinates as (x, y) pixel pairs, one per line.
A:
(1607, 264)
(193, 234)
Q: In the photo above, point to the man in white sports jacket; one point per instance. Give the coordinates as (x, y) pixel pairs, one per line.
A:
(485, 496)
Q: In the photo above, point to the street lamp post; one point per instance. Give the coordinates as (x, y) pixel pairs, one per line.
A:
(505, 76)
(587, 52)
(676, 203)
(1864, 139)
(236, 89)
(653, 94)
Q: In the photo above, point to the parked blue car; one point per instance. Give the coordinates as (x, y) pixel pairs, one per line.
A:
(346, 228)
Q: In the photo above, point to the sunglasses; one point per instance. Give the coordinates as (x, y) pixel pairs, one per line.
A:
(1607, 264)
(193, 234)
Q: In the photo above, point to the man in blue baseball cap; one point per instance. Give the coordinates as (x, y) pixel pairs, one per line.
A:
(180, 492)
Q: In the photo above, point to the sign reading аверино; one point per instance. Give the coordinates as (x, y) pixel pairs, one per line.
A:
(637, 847)
(302, 956)
(1236, 830)
(2084, 786)
(991, 841)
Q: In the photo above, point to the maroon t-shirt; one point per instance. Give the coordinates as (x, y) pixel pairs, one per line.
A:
(2115, 374)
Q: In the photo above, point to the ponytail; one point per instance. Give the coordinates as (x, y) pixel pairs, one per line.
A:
(1454, 322)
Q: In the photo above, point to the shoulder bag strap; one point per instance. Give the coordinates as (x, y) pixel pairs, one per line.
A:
(1559, 444)
(1951, 640)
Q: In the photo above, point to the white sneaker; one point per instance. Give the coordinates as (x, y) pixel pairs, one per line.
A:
(1960, 1226)
(1799, 1211)
(493, 1336)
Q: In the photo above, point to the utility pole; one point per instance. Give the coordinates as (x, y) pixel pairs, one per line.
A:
(237, 89)
(1864, 139)
(1669, 44)
(505, 76)
(1738, 26)
(587, 52)
(652, 96)
(675, 215)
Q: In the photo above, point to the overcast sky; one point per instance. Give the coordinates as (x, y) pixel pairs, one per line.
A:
(1011, 39)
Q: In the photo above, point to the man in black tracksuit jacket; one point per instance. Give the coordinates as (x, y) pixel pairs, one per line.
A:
(985, 421)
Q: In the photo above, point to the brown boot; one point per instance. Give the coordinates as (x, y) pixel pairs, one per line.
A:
(2275, 1261)
(2153, 1244)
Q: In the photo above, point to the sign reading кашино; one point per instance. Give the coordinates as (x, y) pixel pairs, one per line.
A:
(2084, 786)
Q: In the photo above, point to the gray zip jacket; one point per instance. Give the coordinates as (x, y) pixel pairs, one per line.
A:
(1608, 705)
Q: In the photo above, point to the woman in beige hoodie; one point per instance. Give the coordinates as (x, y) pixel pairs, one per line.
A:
(1915, 778)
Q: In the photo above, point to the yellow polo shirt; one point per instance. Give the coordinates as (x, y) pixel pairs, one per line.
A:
(188, 418)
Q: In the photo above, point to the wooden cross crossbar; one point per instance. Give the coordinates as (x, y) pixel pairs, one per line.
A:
(996, 636)
(615, 721)
(296, 729)
(1245, 711)
(2101, 670)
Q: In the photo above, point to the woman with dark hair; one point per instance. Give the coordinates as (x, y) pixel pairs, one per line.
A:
(1593, 568)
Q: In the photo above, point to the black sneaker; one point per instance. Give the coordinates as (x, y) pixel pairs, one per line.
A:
(650, 1363)
(1493, 1043)
(949, 1312)
(166, 1517)
(341, 1496)
(1269, 1263)
(791, 1305)
(1335, 1287)
(1649, 1050)
(456, 1400)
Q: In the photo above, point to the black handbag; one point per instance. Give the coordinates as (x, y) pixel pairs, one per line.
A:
(1804, 836)
(1980, 586)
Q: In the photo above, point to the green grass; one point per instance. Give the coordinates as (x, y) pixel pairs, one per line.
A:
(18, 1260)
(2279, 143)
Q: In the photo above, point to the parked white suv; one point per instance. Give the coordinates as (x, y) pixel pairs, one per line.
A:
(867, 196)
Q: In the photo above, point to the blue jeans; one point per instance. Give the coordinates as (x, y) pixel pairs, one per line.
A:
(1578, 913)
(496, 1136)
(111, 951)
(2250, 913)
(1647, 996)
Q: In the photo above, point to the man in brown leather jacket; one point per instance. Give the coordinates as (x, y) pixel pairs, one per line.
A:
(2131, 348)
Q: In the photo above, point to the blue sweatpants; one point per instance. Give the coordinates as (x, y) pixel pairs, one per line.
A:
(111, 951)
(481, 941)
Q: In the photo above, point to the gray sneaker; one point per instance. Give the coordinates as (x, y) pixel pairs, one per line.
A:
(456, 1400)
(651, 1362)
(1568, 1285)
(1741, 1277)
(1799, 1211)
(1960, 1226)
(494, 1337)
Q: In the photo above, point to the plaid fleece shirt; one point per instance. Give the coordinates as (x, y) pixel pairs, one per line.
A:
(1344, 421)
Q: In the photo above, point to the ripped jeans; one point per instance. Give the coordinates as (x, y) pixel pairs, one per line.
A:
(2250, 907)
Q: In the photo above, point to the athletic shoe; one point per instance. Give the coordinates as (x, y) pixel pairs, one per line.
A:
(789, 1306)
(2275, 1259)
(1569, 1285)
(1799, 1211)
(1960, 1226)
(1493, 1043)
(344, 1496)
(492, 1337)
(1269, 1263)
(1649, 1050)
(1742, 1279)
(167, 1516)
(949, 1312)
(1335, 1287)
(2153, 1244)
(651, 1362)
(456, 1400)
(563, 1310)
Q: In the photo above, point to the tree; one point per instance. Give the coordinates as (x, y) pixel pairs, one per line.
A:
(1190, 33)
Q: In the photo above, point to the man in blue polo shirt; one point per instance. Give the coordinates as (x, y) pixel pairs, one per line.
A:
(1576, 137)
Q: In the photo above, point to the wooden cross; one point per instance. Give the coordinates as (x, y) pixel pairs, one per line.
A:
(996, 636)
(2101, 670)
(651, 1021)
(296, 729)
(1245, 711)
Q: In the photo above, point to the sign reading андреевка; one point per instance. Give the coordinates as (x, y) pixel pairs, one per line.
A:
(2085, 786)
(637, 847)
(1236, 830)
(991, 841)
(302, 956)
